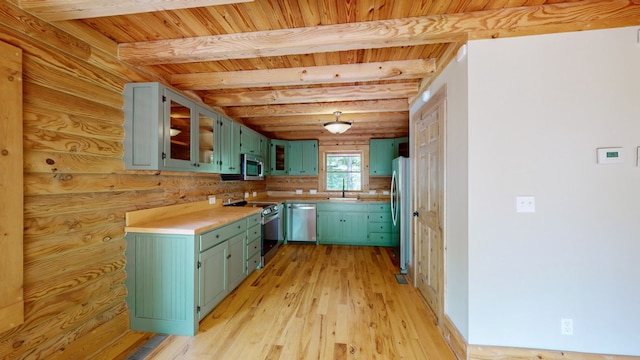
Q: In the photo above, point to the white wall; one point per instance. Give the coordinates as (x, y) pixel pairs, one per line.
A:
(538, 107)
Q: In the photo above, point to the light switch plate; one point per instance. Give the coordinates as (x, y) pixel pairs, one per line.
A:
(212, 200)
(298, 192)
(525, 204)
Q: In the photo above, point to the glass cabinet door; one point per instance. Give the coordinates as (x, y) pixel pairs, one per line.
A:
(177, 131)
(206, 153)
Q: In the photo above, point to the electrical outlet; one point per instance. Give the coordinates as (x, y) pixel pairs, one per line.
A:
(212, 200)
(254, 194)
(566, 326)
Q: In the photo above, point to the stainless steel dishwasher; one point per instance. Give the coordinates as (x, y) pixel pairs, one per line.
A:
(301, 222)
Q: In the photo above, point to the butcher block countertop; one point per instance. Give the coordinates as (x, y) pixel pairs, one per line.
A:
(198, 217)
(185, 219)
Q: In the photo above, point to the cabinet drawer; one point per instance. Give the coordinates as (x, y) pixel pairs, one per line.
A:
(222, 233)
(253, 246)
(253, 220)
(380, 239)
(380, 227)
(254, 232)
(253, 263)
(381, 208)
(380, 217)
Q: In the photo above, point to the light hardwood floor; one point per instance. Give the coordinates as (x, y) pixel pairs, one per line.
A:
(317, 302)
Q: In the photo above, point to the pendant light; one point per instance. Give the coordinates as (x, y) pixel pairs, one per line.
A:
(337, 126)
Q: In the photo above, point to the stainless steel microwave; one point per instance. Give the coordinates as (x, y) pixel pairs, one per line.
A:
(252, 167)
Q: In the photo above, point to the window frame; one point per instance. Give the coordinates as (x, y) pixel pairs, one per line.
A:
(362, 150)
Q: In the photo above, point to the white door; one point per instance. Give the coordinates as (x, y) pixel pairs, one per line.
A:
(428, 193)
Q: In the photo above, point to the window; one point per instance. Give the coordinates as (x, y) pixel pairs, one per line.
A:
(344, 171)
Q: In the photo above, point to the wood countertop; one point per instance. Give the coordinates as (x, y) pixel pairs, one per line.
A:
(188, 222)
(195, 218)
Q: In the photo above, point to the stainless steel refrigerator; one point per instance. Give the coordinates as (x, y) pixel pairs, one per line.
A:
(401, 210)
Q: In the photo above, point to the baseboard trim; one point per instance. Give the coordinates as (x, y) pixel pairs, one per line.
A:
(477, 352)
(464, 351)
(454, 338)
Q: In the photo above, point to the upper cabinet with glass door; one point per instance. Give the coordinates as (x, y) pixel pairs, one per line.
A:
(167, 131)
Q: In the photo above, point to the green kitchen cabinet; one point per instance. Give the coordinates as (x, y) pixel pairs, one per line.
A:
(162, 283)
(253, 245)
(264, 153)
(213, 279)
(173, 281)
(278, 151)
(303, 157)
(382, 152)
(236, 261)
(207, 150)
(344, 224)
(165, 130)
(328, 227)
(380, 226)
(249, 141)
(229, 146)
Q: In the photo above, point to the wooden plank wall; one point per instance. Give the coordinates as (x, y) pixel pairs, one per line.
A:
(76, 191)
(11, 206)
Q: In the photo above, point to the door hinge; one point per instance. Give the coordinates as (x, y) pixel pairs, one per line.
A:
(164, 98)
(164, 155)
(198, 309)
(416, 214)
(199, 264)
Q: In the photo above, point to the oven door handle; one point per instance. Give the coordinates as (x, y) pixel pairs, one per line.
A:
(268, 219)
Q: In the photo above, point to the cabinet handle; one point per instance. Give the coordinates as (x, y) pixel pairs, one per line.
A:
(229, 256)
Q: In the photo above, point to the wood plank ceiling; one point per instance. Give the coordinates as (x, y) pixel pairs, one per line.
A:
(283, 67)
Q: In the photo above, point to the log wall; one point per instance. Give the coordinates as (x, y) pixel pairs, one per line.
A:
(76, 191)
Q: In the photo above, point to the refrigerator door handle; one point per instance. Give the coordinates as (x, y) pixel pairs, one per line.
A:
(394, 198)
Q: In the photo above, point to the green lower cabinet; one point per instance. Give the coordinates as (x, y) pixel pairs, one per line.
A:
(252, 252)
(173, 281)
(354, 224)
(162, 283)
(380, 226)
(213, 278)
(236, 260)
(329, 229)
(344, 224)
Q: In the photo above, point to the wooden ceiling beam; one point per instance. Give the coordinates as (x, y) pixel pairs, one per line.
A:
(323, 136)
(322, 118)
(314, 95)
(318, 108)
(424, 30)
(57, 10)
(312, 75)
(362, 126)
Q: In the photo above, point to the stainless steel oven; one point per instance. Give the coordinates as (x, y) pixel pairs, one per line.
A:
(272, 226)
(272, 232)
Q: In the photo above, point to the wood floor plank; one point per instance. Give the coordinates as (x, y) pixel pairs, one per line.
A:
(317, 302)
